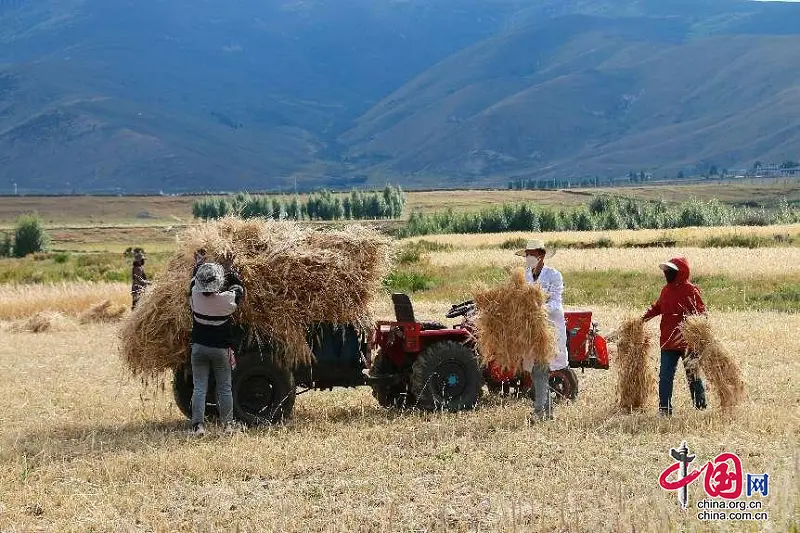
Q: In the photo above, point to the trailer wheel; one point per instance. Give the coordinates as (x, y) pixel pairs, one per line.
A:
(394, 395)
(183, 387)
(564, 384)
(263, 391)
(447, 376)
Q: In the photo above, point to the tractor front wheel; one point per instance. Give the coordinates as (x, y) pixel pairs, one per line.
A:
(447, 376)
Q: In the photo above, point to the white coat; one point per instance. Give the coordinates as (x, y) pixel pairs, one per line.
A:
(552, 283)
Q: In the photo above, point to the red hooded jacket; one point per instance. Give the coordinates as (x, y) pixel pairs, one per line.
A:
(678, 299)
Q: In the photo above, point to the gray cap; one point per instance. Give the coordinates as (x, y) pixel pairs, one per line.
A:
(210, 277)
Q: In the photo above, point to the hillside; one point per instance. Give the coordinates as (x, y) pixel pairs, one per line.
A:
(592, 96)
(178, 96)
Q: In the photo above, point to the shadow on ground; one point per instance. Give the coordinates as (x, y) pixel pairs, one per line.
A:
(71, 441)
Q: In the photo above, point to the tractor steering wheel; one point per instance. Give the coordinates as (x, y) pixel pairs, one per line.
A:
(460, 309)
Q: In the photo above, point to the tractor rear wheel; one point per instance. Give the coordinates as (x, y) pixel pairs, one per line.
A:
(447, 376)
(564, 385)
(394, 395)
(183, 387)
(263, 391)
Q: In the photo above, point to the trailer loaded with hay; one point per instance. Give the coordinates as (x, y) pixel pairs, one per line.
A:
(304, 324)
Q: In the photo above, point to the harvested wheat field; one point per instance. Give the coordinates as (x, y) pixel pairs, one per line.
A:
(72, 299)
(84, 448)
(691, 236)
(704, 261)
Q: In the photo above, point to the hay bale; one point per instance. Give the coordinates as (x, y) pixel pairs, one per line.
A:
(512, 324)
(102, 312)
(294, 277)
(42, 322)
(635, 377)
(721, 371)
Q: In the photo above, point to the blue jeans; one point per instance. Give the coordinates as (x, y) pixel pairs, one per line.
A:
(541, 385)
(666, 378)
(204, 360)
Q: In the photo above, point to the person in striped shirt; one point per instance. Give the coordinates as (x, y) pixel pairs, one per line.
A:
(212, 306)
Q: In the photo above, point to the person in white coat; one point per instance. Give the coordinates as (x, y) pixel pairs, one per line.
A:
(552, 283)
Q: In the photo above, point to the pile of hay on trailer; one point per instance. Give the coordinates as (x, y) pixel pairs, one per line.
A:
(294, 277)
(720, 369)
(513, 325)
(635, 378)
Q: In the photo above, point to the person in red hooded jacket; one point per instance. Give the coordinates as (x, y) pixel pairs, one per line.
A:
(678, 298)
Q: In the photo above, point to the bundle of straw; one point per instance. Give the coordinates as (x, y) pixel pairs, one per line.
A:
(102, 312)
(715, 361)
(42, 322)
(513, 326)
(294, 277)
(635, 378)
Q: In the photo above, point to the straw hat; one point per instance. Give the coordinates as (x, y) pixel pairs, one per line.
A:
(210, 277)
(534, 244)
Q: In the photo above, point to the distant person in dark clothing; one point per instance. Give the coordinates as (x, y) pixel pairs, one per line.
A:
(139, 278)
(212, 336)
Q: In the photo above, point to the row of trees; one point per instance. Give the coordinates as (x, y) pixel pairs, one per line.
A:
(558, 183)
(583, 183)
(604, 212)
(29, 237)
(323, 205)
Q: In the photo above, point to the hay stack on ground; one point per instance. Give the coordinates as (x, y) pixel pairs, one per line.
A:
(294, 277)
(635, 377)
(513, 325)
(102, 312)
(44, 321)
(716, 363)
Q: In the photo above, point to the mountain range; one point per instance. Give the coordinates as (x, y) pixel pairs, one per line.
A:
(177, 96)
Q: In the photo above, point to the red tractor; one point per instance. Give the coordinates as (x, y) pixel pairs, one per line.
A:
(407, 363)
(429, 365)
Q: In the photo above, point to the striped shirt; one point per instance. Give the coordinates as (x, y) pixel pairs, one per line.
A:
(212, 325)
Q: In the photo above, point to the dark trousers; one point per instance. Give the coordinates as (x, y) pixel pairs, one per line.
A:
(666, 378)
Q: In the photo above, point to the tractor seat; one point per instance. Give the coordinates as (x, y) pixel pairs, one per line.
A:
(404, 312)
